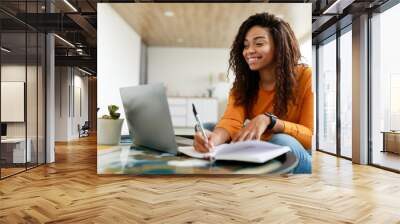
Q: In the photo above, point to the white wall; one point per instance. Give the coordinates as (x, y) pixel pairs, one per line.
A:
(33, 126)
(18, 73)
(118, 58)
(15, 73)
(186, 71)
(66, 121)
(80, 83)
(61, 104)
(306, 52)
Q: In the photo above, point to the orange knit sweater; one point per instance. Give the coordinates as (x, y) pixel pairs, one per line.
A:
(299, 120)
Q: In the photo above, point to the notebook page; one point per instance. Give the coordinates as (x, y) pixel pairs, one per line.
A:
(251, 151)
(190, 151)
(253, 154)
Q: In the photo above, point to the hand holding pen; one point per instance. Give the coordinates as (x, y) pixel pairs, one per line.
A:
(203, 139)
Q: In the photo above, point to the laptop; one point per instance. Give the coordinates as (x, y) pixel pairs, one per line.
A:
(148, 118)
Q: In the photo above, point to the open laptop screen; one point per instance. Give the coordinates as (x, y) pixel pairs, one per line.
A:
(148, 117)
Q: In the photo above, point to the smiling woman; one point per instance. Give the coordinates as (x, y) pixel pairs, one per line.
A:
(269, 83)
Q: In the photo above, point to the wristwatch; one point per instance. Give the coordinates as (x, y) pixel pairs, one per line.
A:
(273, 119)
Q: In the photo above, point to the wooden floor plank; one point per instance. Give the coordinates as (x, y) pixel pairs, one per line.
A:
(70, 191)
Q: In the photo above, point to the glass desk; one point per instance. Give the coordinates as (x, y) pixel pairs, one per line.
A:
(128, 159)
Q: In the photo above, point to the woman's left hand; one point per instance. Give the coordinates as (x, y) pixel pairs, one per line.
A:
(253, 130)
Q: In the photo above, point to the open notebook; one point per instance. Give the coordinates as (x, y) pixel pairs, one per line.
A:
(246, 151)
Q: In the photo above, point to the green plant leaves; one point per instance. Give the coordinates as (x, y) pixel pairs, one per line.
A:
(112, 109)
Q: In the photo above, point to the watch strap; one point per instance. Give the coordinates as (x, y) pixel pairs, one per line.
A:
(273, 119)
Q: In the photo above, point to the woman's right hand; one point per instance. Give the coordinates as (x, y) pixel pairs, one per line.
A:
(200, 144)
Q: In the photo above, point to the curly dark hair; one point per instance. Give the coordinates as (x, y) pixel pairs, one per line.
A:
(286, 57)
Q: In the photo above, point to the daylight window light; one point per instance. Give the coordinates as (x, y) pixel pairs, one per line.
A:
(70, 5)
(86, 72)
(169, 13)
(333, 9)
(5, 50)
(65, 41)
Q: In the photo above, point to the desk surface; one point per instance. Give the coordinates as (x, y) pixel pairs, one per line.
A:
(13, 140)
(391, 132)
(124, 159)
(184, 131)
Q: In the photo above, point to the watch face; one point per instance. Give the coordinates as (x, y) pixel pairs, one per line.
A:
(271, 114)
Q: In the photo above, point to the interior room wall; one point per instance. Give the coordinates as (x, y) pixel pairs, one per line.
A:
(17, 73)
(33, 127)
(67, 113)
(123, 50)
(80, 114)
(61, 103)
(306, 51)
(186, 71)
(190, 72)
(84, 82)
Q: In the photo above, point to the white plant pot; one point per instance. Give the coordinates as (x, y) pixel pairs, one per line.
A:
(109, 131)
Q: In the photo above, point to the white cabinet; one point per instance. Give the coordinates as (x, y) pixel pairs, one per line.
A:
(206, 108)
(182, 113)
(177, 109)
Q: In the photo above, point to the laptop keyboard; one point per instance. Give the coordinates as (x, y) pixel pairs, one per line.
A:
(180, 141)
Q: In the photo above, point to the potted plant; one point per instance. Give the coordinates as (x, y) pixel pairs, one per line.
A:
(109, 127)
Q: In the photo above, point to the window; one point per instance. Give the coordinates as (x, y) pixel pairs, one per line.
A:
(346, 93)
(22, 66)
(385, 89)
(327, 96)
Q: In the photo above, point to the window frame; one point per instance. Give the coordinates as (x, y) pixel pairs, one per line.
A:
(379, 10)
(334, 37)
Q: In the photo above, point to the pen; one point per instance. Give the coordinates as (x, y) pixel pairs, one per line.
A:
(199, 123)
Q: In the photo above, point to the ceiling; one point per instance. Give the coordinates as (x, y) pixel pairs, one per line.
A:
(204, 24)
(76, 24)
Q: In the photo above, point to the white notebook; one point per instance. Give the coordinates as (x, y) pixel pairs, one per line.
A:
(246, 151)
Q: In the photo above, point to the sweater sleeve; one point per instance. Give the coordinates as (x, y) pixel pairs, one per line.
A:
(233, 118)
(303, 130)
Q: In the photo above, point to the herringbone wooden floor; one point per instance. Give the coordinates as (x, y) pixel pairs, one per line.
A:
(70, 191)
